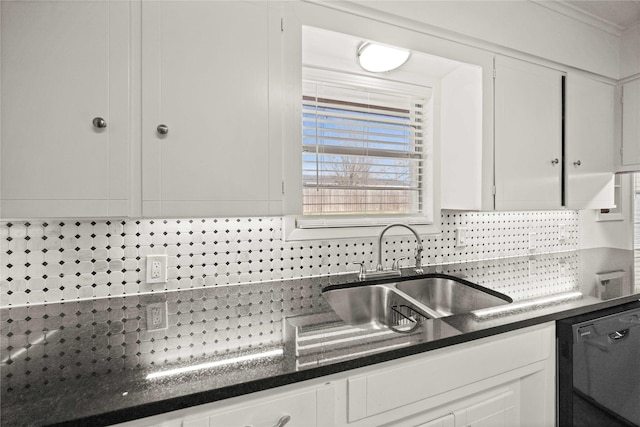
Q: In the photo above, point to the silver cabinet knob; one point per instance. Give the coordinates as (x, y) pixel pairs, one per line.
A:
(99, 123)
(163, 129)
(577, 163)
(555, 161)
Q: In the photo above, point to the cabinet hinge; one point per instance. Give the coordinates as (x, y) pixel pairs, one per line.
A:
(493, 190)
(494, 72)
(283, 187)
(282, 25)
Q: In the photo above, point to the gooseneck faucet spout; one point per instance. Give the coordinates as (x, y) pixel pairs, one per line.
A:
(419, 248)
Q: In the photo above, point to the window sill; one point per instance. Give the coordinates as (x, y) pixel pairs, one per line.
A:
(372, 229)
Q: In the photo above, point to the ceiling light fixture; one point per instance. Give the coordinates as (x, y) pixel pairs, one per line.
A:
(380, 59)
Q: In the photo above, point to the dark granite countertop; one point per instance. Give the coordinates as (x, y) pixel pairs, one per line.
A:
(96, 362)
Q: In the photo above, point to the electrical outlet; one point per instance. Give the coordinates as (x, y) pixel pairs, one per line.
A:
(533, 268)
(562, 269)
(461, 237)
(156, 269)
(562, 232)
(157, 316)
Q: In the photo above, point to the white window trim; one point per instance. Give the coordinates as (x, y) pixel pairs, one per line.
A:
(290, 232)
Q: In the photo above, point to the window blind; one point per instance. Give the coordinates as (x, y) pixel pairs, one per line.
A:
(362, 151)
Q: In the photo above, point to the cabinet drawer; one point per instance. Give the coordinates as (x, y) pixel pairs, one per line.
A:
(445, 370)
(301, 409)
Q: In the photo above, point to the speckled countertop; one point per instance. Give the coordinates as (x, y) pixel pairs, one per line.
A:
(93, 362)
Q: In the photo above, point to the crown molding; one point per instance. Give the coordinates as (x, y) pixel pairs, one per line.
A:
(578, 14)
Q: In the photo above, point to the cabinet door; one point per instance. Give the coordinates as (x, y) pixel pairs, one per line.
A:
(64, 64)
(589, 144)
(495, 411)
(631, 126)
(206, 78)
(528, 136)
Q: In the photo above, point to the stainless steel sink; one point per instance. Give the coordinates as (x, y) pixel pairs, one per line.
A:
(374, 306)
(449, 296)
(402, 305)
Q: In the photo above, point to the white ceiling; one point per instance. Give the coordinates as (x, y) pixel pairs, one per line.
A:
(620, 14)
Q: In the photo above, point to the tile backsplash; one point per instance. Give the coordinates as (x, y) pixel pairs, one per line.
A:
(46, 261)
(75, 301)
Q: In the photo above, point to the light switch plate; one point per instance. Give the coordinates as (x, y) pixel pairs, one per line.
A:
(532, 241)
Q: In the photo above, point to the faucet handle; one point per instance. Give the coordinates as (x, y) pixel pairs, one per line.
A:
(396, 263)
(363, 271)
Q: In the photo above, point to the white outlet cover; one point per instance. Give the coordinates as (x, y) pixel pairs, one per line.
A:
(562, 232)
(156, 268)
(533, 268)
(532, 241)
(157, 316)
(461, 237)
(562, 269)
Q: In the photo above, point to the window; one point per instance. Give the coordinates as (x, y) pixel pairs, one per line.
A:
(367, 146)
(363, 150)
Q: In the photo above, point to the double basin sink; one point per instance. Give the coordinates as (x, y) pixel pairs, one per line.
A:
(404, 304)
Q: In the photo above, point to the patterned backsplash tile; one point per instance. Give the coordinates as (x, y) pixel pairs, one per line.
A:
(76, 301)
(66, 260)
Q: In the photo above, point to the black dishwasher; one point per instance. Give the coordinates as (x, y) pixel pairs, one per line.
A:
(599, 368)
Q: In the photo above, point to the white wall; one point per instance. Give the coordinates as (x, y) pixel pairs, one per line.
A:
(614, 234)
(461, 139)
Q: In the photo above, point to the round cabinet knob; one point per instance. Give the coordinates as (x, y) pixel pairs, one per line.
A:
(163, 129)
(555, 161)
(99, 123)
(577, 163)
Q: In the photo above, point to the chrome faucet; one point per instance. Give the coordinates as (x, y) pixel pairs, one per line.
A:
(419, 248)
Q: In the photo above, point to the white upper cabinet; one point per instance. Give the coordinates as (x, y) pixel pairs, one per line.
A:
(589, 133)
(628, 153)
(528, 136)
(65, 64)
(535, 167)
(205, 78)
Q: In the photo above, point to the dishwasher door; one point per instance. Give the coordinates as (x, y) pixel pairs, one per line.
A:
(605, 370)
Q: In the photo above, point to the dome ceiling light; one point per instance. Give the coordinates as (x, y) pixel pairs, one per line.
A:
(380, 59)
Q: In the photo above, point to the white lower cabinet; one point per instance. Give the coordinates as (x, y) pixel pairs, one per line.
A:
(296, 405)
(508, 379)
(495, 410)
(505, 380)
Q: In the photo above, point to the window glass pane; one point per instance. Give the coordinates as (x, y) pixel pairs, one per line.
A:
(362, 151)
